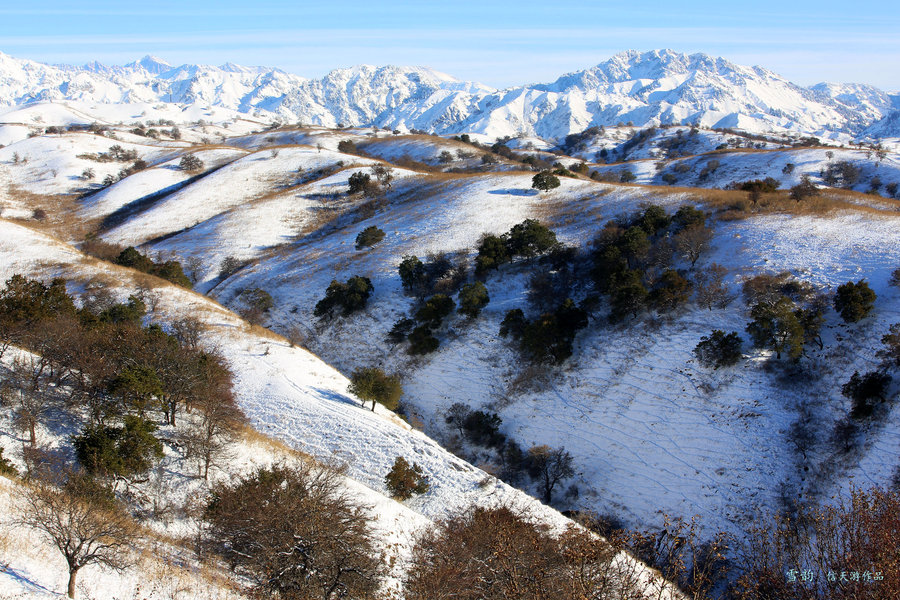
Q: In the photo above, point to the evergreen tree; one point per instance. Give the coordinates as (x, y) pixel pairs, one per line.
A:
(719, 349)
(545, 181)
(529, 238)
(371, 384)
(412, 274)
(777, 327)
(435, 309)
(854, 300)
(421, 341)
(864, 390)
(472, 298)
(118, 451)
(369, 236)
(404, 481)
(492, 253)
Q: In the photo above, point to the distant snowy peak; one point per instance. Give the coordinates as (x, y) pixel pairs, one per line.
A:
(645, 88)
(151, 64)
(655, 65)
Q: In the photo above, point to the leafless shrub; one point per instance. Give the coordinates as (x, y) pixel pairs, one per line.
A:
(82, 521)
(295, 532)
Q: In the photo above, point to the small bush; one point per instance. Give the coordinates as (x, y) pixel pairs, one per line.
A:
(854, 300)
(472, 299)
(719, 349)
(421, 341)
(404, 481)
(803, 190)
(401, 329)
(118, 451)
(169, 270)
(259, 299)
(895, 278)
(864, 390)
(545, 181)
(349, 297)
(6, 467)
(190, 163)
(435, 310)
(369, 236)
(891, 340)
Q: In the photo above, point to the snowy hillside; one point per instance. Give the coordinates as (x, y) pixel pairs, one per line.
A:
(650, 88)
(651, 432)
(289, 395)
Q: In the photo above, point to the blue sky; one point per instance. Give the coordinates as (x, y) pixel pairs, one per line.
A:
(496, 43)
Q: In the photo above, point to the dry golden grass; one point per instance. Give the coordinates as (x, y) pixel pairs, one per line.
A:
(571, 212)
(201, 147)
(249, 435)
(58, 213)
(730, 205)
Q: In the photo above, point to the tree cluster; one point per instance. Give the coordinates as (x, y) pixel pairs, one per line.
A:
(546, 466)
(633, 259)
(856, 534)
(100, 361)
(440, 274)
(549, 337)
(169, 270)
(349, 297)
(527, 239)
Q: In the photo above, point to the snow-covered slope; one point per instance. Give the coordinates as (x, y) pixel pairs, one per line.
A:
(650, 430)
(289, 395)
(657, 87)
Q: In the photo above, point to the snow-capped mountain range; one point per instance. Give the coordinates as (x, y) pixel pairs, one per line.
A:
(649, 88)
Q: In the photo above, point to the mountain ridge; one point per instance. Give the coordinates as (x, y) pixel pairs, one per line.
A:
(657, 87)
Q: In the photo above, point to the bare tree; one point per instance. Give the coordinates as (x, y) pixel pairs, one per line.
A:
(710, 287)
(30, 401)
(83, 521)
(549, 466)
(693, 241)
(384, 174)
(501, 553)
(207, 439)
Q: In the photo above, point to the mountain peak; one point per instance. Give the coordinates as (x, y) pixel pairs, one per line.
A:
(151, 64)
